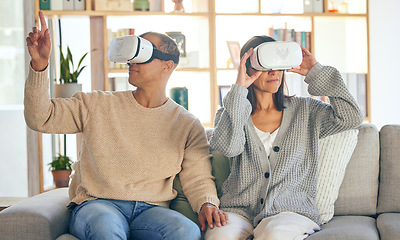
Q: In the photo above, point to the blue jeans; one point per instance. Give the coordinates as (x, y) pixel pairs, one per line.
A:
(116, 219)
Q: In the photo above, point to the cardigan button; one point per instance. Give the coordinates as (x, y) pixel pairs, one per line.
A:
(262, 201)
(276, 149)
(266, 175)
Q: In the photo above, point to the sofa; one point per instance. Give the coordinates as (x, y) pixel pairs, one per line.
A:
(367, 207)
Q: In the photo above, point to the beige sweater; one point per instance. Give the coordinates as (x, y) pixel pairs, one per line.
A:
(129, 152)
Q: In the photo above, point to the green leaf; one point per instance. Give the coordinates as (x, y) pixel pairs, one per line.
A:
(67, 71)
(60, 162)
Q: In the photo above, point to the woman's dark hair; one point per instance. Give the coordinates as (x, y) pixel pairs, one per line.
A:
(279, 96)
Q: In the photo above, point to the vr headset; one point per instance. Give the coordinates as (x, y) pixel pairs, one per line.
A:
(134, 49)
(276, 56)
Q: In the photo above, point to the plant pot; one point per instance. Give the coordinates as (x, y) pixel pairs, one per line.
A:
(61, 178)
(66, 90)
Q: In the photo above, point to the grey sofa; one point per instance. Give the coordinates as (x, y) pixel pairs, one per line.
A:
(368, 206)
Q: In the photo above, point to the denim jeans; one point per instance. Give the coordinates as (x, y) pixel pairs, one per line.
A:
(116, 219)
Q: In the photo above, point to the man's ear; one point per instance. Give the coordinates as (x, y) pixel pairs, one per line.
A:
(169, 65)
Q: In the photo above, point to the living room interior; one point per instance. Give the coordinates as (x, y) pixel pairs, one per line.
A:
(360, 41)
(355, 36)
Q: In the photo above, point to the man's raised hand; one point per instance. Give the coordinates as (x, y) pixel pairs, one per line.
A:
(39, 45)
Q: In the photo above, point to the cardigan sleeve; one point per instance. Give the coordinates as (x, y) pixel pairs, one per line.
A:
(228, 136)
(343, 112)
(42, 114)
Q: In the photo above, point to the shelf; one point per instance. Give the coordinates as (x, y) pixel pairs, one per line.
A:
(178, 70)
(118, 13)
(208, 24)
(294, 14)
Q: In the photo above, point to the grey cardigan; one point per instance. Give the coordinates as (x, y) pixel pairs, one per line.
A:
(255, 189)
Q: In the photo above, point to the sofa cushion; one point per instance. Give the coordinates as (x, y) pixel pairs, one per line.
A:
(334, 154)
(44, 216)
(348, 228)
(359, 190)
(220, 170)
(389, 191)
(389, 226)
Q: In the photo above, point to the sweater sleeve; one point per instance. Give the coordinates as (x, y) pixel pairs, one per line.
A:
(196, 178)
(343, 112)
(47, 115)
(228, 136)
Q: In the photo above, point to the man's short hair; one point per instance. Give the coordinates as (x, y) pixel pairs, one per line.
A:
(166, 45)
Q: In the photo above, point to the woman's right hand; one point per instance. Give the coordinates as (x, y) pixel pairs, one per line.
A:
(243, 78)
(39, 45)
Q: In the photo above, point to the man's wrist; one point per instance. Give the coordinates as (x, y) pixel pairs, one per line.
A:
(208, 204)
(39, 66)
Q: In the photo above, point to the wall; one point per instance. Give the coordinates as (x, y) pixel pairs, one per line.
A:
(384, 61)
(13, 173)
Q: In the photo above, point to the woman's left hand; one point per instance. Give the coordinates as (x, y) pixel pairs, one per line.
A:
(307, 63)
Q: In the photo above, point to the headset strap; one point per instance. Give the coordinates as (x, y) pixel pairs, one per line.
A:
(165, 56)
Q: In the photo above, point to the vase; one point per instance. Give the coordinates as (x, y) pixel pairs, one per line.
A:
(180, 96)
(66, 90)
(61, 178)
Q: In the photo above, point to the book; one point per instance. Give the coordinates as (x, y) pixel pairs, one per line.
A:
(362, 93)
(356, 83)
(318, 6)
(68, 5)
(56, 5)
(308, 6)
(44, 4)
(79, 5)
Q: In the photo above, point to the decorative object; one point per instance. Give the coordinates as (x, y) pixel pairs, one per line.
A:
(333, 6)
(60, 167)
(155, 5)
(178, 6)
(180, 40)
(141, 5)
(234, 51)
(112, 5)
(180, 96)
(68, 76)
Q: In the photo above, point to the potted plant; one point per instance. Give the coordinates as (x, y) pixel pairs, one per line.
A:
(61, 169)
(68, 75)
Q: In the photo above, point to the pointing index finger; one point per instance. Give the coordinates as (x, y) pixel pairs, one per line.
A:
(43, 25)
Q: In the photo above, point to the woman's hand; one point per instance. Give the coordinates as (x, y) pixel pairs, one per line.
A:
(242, 78)
(307, 63)
(39, 45)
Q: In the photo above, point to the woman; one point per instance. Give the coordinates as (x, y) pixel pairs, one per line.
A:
(272, 142)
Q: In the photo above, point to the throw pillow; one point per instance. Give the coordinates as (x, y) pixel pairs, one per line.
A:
(335, 152)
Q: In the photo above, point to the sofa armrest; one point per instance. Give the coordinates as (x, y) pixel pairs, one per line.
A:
(44, 216)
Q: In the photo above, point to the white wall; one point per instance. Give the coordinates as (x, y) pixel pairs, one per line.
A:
(384, 61)
(13, 170)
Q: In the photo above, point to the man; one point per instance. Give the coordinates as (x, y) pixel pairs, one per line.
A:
(134, 143)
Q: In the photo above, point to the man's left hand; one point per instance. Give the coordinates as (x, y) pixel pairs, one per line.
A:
(209, 213)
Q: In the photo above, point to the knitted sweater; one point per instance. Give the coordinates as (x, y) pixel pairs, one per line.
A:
(254, 188)
(129, 152)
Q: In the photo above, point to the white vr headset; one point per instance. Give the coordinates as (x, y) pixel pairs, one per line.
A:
(134, 49)
(276, 56)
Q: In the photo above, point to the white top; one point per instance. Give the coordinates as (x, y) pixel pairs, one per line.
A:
(267, 139)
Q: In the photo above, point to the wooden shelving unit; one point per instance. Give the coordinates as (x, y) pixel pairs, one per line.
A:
(101, 71)
(213, 48)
